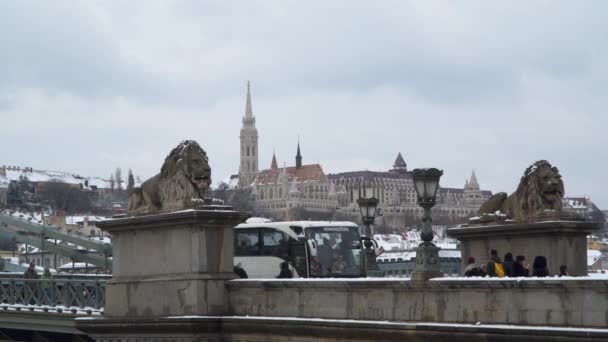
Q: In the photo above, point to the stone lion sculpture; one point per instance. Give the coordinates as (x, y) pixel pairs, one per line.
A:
(539, 195)
(183, 179)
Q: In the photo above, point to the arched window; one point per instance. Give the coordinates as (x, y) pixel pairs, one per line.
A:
(253, 151)
(247, 151)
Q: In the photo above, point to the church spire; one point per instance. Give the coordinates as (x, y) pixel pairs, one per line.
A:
(473, 182)
(274, 164)
(248, 111)
(298, 157)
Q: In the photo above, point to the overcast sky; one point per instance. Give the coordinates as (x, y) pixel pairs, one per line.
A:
(88, 86)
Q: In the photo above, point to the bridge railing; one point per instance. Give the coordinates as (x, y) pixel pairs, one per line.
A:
(53, 293)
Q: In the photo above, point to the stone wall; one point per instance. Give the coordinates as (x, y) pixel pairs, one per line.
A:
(550, 302)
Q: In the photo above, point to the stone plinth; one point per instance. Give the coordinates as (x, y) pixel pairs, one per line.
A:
(561, 242)
(427, 262)
(172, 264)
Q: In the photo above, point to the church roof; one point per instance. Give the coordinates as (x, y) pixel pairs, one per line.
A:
(399, 162)
(312, 172)
(367, 175)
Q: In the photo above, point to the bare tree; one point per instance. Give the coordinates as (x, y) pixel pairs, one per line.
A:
(112, 182)
(118, 178)
(130, 181)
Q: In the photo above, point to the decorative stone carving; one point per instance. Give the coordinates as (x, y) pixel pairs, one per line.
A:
(183, 179)
(538, 197)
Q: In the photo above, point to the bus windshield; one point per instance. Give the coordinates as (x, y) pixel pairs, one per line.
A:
(338, 252)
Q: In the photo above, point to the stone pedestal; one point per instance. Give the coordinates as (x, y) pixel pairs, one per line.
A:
(168, 265)
(561, 242)
(427, 262)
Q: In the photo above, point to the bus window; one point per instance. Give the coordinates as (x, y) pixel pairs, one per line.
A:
(275, 243)
(296, 229)
(247, 242)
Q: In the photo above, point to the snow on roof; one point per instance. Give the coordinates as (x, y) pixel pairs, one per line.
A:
(81, 219)
(407, 255)
(232, 181)
(69, 266)
(13, 174)
(593, 256)
(257, 220)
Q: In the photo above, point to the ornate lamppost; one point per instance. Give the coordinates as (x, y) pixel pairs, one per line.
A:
(426, 182)
(367, 206)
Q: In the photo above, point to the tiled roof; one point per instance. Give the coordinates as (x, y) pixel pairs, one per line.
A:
(460, 191)
(312, 172)
(368, 175)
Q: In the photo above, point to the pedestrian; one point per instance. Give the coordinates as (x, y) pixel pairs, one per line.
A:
(507, 264)
(240, 271)
(483, 270)
(520, 268)
(46, 286)
(563, 271)
(539, 267)
(30, 275)
(472, 270)
(495, 268)
(285, 271)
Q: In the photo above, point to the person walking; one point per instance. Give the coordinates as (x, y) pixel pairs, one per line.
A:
(240, 271)
(472, 270)
(45, 285)
(507, 264)
(285, 271)
(30, 275)
(520, 268)
(495, 268)
(539, 267)
(563, 271)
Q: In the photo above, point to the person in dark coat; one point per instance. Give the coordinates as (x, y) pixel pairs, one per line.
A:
(563, 271)
(483, 270)
(285, 271)
(507, 264)
(240, 271)
(494, 263)
(520, 268)
(472, 270)
(31, 273)
(539, 267)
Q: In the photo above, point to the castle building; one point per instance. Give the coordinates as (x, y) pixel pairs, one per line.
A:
(397, 197)
(248, 168)
(291, 193)
(305, 191)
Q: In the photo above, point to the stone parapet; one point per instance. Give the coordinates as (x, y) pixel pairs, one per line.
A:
(547, 302)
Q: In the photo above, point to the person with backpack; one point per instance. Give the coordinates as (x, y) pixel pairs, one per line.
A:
(495, 268)
(507, 264)
(472, 270)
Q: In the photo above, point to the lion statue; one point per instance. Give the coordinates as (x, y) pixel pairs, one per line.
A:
(538, 196)
(183, 179)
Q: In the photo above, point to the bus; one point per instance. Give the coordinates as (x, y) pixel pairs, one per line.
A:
(313, 249)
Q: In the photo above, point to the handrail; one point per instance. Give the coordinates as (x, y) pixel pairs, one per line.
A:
(54, 293)
(52, 232)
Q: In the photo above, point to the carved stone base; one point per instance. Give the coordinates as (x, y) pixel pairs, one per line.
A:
(427, 262)
(561, 242)
(172, 264)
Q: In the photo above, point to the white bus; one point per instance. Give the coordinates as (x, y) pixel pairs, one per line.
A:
(311, 248)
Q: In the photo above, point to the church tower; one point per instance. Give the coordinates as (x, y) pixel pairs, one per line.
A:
(249, 146)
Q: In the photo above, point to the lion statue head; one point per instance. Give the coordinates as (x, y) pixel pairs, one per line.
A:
(181, 183)
(541, 188)
(538, 197)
